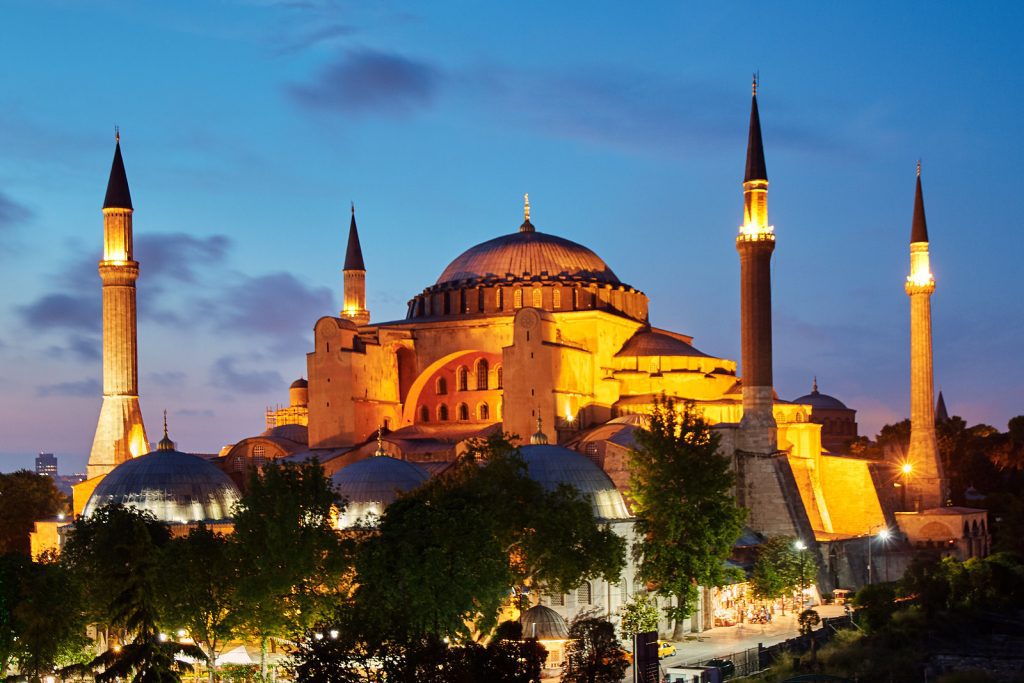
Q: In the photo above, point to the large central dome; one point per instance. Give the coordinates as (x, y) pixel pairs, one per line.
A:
(528, 253)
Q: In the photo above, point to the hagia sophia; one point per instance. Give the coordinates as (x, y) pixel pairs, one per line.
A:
(533, 334)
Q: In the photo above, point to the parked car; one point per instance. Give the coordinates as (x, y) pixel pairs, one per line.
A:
(665, 649)
(726, 666)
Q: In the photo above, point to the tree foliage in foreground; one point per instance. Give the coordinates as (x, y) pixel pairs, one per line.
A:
(593, 654)
(24, 498)
(686, 515)
(779, 568)
(639, 615)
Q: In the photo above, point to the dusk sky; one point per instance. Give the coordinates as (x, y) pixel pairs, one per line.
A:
(248, 126)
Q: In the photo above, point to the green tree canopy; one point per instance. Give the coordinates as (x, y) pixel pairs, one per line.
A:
(780, 567)
(686, 514)
(593, 653)
(24, 498)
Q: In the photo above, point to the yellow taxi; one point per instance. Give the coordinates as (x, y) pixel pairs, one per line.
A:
(665, 649)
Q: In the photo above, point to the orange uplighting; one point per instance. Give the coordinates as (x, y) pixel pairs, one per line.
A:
(137, 441)
(755, 230)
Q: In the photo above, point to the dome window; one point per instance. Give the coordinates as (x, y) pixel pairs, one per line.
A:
(556, 297)
(538, 295)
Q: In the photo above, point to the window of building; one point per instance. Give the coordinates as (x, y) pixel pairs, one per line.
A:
(556, 297)
(497, 376)
(424, 414)
(463, 307)
(537, 297)
(442, 413)
(462, 374)
(483, 412)
(447, 303)
(482, 368)
(463, 412)
(442, 386)
(575, 298)
(499, 296)
(583, 595)
(555, 600)
(259, 455)
(517, 301)
(592, 453)
(480, 299)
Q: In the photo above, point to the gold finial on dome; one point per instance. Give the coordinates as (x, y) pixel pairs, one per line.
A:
(165, 443)
(814, 386)
(117, 133)
(753, 87)
(539, 437)
(380, 442)
(527, 226)
(918, 168)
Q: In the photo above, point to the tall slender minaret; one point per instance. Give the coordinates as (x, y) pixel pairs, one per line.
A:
(120, 433)
(755, 244)
(354, 278)
(925, 482)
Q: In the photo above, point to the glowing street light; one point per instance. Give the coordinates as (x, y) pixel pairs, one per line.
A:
(883, 535)
(800, 546)
(905, 470)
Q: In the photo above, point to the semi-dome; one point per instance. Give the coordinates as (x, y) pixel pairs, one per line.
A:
(300, 383)
(821, 401)
(551, 466)
(175, 487)
(528, 254)
(370, 485)
(543, 623)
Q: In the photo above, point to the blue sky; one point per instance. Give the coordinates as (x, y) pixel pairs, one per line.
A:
(249, 126)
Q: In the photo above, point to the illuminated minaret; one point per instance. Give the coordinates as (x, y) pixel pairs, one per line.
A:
(354, 278)
(755, 244)
(120, 433)
(925, 484)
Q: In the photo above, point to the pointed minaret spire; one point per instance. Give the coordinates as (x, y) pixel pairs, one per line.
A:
(354, 277)
(919, 227)
(814, 387)
(165, 443)
(941, 413)
(118, 196)
(527, 226)
(756, 169)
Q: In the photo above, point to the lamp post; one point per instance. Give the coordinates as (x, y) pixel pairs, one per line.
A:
(801, 547)
(883, 535)
(905, 471)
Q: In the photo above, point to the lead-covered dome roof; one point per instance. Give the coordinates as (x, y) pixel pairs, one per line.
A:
(175, 487)
(528, 253)
(821, 401)
(369, 486)
(551, 466)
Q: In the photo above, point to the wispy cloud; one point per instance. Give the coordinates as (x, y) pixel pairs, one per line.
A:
(86, 387)
(172, 379)
(190, 412)
(363, 82)
(226, 375)
(79, 347)
(60, 311)
(12, 213)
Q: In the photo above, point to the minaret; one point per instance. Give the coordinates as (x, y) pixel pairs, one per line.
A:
(755, 244)
(120, 433)
(925, 483)
(354, 278)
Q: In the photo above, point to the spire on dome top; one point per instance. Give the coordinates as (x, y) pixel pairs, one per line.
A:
(118, 196)
(814, 387)
(354, 252)
(756, 169)
(527, 226)
(165, 443)
(380, 443)
(919, 230)
(539, 437)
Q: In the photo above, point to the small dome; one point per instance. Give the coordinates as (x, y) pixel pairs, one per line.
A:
(821, 401)
(370, 485)
(653, 343)
(300, 383)
(528, 252)
(553, 465)
(543, 623)
(176, 487)
(293, 432)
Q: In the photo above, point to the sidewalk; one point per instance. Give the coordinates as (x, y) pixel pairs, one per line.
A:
(726, 640)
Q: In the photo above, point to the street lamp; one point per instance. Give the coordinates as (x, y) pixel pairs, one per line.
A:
(883, 535)
(801, 547)
(905, 471)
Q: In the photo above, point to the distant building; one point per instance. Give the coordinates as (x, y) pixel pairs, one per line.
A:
(46, 463)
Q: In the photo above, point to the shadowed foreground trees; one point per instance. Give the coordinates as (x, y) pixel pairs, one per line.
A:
(24, 498)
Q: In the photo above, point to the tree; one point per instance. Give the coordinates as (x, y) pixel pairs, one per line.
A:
(780, 567)
(13, 569)
(807, 622)
(294, 560)
(198, 590)
(24, 498)
(593, 654)
(686, 515)
(639, 615)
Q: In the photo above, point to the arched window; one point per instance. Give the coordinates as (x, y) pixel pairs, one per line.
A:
(480, 299)
(555, 600)
(447, 303)
(583, 596)
(537, 297)
(442, 413)
(462, 375)
(482, 368)
(424, 414)
(463, 412)
(518, 298)
(556, 297)
(499, 297)
(483, 412)
(463, 308)
(497, 376)
(442, 386)
(259, 455)
(575, 298)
